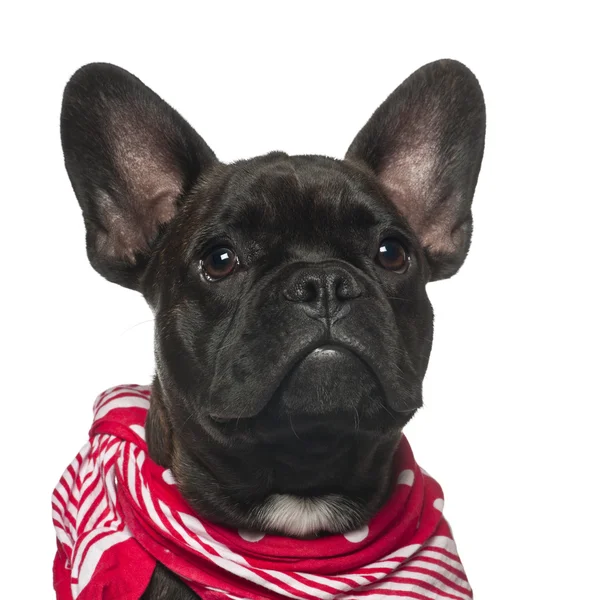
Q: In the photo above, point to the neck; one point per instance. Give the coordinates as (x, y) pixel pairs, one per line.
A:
(297, 487)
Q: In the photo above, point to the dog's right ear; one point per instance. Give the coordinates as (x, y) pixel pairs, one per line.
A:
(130, 158)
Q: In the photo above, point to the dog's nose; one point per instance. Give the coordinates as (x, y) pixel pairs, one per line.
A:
(323, 291)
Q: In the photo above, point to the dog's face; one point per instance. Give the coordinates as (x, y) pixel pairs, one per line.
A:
(293, 327)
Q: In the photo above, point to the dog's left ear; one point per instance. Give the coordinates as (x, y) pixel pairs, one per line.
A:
(425, 145)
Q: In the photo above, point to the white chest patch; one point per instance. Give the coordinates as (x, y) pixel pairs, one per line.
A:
(304, 516)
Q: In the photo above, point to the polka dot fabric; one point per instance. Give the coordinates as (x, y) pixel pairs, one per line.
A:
(116, 513)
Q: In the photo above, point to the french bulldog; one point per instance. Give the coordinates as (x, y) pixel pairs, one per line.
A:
(292, 323)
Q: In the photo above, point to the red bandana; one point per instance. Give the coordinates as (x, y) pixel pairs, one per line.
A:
(116, 513)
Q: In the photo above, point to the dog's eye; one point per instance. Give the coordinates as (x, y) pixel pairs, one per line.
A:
(219, 263)
(392, 255)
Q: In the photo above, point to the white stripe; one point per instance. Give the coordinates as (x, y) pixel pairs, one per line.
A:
(110, 480)
(442, 541)
(58, 507)
(68, 478)
(433, 580)
(404, 587)
(403, 553)
(85, 507)
(359, 580)
(90, 470)
(83, 541)
(64, 538)
(93, 557)
(113, 518)
(106, 480)
(111, 450)
(82, 481)
(141, 459)
(128, 402)
(62, 492)
(386, 565)
(139, 430)
(73, 512)
(81, 456)
(334, 583)
(195, 527)
(224, 593)
(56, 515)
(151, 509)
(298, 585)
(102, 506)
(442, 558)
(131, 476)
(107, 396)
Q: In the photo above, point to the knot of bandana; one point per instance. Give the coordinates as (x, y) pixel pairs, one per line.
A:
(116, 513)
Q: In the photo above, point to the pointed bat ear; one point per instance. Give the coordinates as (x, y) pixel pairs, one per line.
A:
(425, 145)
(130, 158)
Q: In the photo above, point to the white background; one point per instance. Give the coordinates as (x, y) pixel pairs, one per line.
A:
(510, 426)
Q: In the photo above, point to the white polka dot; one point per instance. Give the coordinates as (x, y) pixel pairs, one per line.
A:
(251, 536)
(357, 536)
(439, 504)
(424, 472)
(168, 477)
(407, 477)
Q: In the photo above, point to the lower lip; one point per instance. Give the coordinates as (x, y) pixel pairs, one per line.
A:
(329, 351)
(218, 419)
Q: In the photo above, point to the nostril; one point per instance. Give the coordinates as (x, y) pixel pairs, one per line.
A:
(303, 289)
(346, 289)
(311, 291)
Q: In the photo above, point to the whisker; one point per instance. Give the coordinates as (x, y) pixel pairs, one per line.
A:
(136, 325)
(292, 426)
(357, 419)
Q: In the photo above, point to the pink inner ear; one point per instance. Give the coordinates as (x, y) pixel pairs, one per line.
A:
(152, 184)
(408, 175)
(415, 195)
(125, 235)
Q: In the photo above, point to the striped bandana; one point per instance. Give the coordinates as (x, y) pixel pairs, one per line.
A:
(116, 513)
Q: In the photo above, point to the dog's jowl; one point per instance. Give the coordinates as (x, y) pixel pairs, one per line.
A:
(292, 335)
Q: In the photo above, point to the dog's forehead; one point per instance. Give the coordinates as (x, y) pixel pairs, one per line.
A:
(298, 193)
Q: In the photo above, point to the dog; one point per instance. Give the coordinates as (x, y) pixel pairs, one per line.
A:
(292, 323)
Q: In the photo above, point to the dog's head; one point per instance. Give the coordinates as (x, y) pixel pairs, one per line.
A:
(293, 328)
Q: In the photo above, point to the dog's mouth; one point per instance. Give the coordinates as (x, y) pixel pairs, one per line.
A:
(326, 381)
(329, 390)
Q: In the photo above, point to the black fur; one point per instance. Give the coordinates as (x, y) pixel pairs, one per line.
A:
(296, 373)
(166, 586)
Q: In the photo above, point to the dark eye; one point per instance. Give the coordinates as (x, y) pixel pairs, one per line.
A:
(392, 255)
(219, 263)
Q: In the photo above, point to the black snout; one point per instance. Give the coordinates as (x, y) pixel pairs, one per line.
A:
(323, 291)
